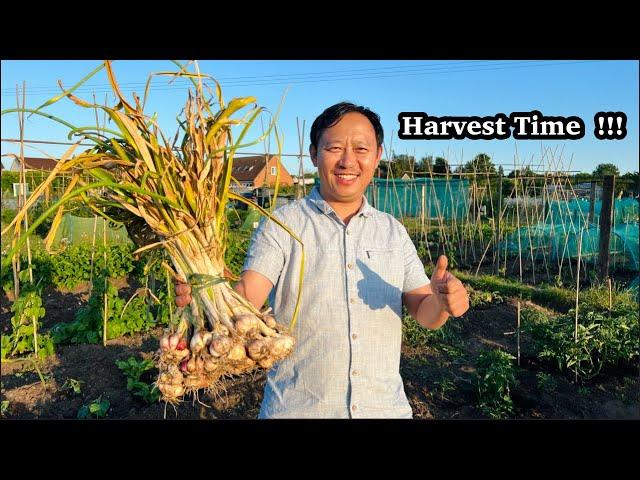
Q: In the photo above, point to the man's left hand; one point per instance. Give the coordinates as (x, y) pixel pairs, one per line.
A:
(449, 291)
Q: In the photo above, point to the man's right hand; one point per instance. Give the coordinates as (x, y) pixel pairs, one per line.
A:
(183, 294)
(253, 286)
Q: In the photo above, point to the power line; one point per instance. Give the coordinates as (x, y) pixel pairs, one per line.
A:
(51, 142)
(253, 77)
(49, 89)
(318, 77)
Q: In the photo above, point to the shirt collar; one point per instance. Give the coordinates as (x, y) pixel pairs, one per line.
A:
(316, 199)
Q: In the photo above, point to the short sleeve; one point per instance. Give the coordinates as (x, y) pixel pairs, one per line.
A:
(414, 275)
(266, 253)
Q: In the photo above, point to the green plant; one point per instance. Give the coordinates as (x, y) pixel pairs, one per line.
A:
(41, 268)
(72, 266)
(98, 408)
(7, 214)
(38, 209)
(236, 251)
(597, 298)
(236, 215)
(7, 179)
(445, 386)
(72, 384)
(134, 369)
(583, 391)
(533, 315)
(546, 382)
(4, 407)
(416, 335)
(454, 350)
(622, 390)
(26, 308)
(122, 317)
(604, 338)
(159, 298)
(421, 249)
(546, 295)
(495, 380)
(483, 299)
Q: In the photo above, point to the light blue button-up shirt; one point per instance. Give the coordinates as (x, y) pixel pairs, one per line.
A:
(346, 362)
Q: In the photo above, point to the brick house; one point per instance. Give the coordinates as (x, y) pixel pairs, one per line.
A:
(34, 163)
(255, 172)
(36, 170)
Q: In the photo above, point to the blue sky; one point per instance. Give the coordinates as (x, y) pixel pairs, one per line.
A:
(439, 88)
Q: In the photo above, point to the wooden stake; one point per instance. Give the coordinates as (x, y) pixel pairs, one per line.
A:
(515, 165)
(106, 281)
(592, 202)
(606, 216)
(93, 251)
(575, 331)
(526, 214)
(26, 214)
(518, 333)
(498, 223)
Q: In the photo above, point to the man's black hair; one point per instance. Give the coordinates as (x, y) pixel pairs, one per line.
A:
(334, 113)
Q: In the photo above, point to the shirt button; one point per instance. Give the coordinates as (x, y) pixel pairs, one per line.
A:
(354, 336)
(353, 300)
(354, 408)
(350, 266)
(354, 373)
(348, 232)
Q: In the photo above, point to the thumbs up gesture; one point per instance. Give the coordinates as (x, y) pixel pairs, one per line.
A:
(449, 291)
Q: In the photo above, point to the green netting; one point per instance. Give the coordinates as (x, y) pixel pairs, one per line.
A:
(567, 212)
(630, 240)
(558, 236)
(625, 210)
(445, 198)
(79, 230)
(562, 241)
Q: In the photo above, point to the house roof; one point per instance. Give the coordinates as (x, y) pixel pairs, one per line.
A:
(246, 169)
(35, 163)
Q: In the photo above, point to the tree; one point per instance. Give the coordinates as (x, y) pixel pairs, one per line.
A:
(480, 164)
(582, 177)
(425, 164)
(8, 179)
(398, 166)
(522, 172)
(606, 169)
(630, 182)
(403, 164)
(441, 166)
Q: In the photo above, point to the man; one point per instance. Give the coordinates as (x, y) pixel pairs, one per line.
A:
(360, 266)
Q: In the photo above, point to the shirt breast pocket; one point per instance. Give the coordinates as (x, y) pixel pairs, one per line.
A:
(382, 274)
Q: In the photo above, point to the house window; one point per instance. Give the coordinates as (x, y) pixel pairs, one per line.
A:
(273, 171)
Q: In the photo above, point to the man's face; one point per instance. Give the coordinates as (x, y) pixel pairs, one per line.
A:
(346, 157)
